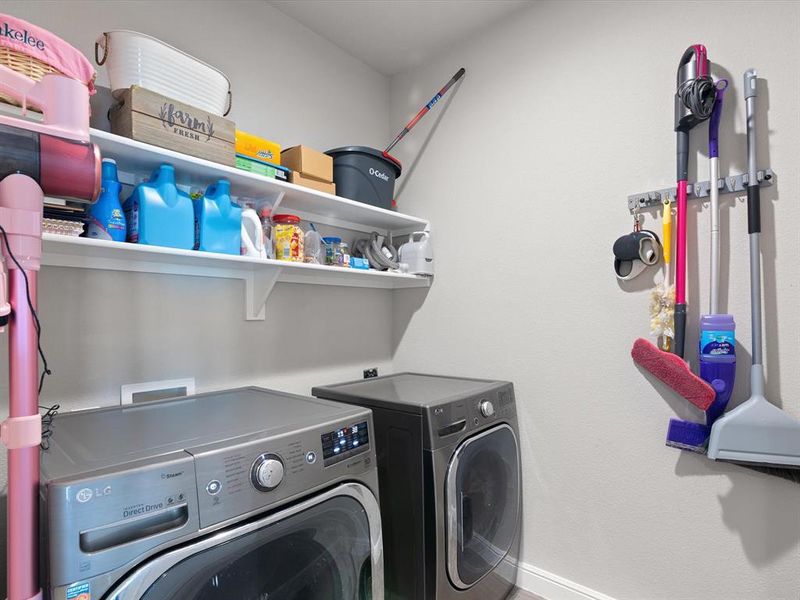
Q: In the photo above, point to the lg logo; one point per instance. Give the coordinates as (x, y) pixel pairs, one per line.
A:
(86, 494)
(378, 174)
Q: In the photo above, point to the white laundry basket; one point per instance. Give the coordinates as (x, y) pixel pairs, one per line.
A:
(133, 58)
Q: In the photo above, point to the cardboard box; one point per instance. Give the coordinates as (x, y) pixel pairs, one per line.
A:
(311, 163)
(320, 186)
(258, 148)
(155, 119)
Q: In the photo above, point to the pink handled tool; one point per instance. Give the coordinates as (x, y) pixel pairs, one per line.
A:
(694, 102)
(58, 160)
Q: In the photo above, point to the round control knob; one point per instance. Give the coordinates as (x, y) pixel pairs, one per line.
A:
(487, 408)
(267, 472)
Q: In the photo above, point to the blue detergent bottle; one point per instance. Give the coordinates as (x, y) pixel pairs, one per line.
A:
(217, 220)
(107, 219)
(160, 214)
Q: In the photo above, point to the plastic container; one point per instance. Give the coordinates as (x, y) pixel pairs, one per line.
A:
(265, 214)
(288, 237)
(252, 235)
(133, 58)
(365, 175)
(337, 253)
(107, 220)
(312, 247)
(718, 359)
(62, 227)
(217, 221)
(160, 214)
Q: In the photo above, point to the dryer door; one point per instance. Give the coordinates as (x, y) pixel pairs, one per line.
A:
(483, 504)
(326, 548)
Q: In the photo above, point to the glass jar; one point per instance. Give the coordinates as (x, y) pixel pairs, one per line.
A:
(337, 253)
(287, 236)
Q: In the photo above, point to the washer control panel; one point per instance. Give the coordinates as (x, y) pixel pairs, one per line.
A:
(267, 472)
(345, 442)
(234, 480)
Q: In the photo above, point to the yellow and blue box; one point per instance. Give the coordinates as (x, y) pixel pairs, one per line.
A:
(252, 146)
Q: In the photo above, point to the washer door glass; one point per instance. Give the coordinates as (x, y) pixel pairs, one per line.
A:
(322, 553)
(483, 504)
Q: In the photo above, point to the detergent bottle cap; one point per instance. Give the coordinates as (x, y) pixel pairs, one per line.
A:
(222, 187)
(109, 171)
(164, 174)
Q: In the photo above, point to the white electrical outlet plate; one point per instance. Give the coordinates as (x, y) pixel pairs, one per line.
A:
(147, 391)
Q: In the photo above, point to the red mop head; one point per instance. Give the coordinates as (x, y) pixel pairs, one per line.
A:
(670, 369)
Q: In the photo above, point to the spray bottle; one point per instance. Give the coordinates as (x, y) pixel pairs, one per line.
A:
(107, 219)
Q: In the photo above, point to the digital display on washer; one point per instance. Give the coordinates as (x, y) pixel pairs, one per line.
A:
(344, 442)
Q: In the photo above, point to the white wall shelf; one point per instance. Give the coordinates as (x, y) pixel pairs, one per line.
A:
(136, 161)
(259, 276)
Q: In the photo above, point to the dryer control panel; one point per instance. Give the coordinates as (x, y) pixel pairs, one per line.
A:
(449, 419)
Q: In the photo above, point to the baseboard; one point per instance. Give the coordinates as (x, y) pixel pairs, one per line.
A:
(552, 587)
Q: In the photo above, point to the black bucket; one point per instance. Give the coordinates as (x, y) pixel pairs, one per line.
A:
(364, 174)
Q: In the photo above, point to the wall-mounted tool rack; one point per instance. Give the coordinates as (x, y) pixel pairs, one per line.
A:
(730, 184)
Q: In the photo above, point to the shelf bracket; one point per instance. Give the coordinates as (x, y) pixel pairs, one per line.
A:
(258, 286)
(729, 184)
(276, 205)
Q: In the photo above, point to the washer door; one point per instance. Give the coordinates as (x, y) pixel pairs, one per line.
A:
(483, 504)
(327, 548)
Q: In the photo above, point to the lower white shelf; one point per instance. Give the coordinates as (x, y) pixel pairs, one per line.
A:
(260, 276)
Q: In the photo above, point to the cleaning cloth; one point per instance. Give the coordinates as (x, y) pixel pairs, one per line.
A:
(671, 370)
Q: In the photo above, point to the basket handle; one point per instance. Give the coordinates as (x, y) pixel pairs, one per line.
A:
(101, 41)
(230, 103)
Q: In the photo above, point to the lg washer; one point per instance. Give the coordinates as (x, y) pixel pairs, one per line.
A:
(245, 494)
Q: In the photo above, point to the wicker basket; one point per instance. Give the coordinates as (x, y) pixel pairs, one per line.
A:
(24, 64)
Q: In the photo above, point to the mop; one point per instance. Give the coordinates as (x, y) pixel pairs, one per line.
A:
(717, 341)
(756, 432)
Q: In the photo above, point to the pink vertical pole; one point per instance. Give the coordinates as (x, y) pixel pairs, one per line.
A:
(680, 247)
(21, 201)
(23, 463)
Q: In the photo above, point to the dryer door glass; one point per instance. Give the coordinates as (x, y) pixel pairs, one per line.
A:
(322, 553)
(483, 504)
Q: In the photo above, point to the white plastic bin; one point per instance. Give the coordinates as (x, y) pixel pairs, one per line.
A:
(133, 58)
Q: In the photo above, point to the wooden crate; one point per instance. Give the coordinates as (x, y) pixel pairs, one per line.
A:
(155, 119)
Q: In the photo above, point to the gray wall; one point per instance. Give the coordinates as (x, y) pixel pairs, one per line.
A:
(103, 329)
(524, 172)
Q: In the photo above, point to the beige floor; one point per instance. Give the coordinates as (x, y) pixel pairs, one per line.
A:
(521, 595)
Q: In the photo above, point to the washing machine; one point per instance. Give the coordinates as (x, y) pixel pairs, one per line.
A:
(245, 494)
(449, 472)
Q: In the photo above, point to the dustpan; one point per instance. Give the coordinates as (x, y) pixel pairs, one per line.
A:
(756, 432)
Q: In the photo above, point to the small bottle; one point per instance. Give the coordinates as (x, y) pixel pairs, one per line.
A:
(265, 214)
(107, 218)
